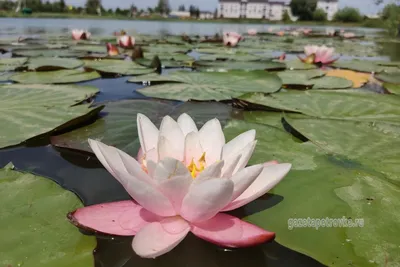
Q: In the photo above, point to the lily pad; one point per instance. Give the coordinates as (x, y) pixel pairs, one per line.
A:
(49, 53)
(31, 110)
(358, 78)
(296, 64)
(344, 189)
(160, 49)
(35, 232)
(392, 88)
(53, 63)
(10, 64)
(238, 65)
(299, 77)
(332, 83)
(56, 77)
(393, 77)
(90, 48)
(358, 65)
(332, 104)
(213, 85)
(119, 129)
(117, 67)
(233, 57)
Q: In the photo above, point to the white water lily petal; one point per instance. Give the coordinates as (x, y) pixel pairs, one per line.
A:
(158, 238)
(148, 133)
(193, 149)
(166, 149)
(112, 158)
(148, 196)
(151, 167)
(152, 155)
(172, 132)
(244, 178)
(187, 124)
(269, 177)
(230, 165)
(175, 189)
(213, 171)
(238, 143)
(212, 140)
(169, 168)
(247, 152)
(204, 200)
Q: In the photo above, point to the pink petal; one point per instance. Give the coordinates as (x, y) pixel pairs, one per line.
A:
(193, 148)
(247, 152)
(148, 133)
(228, 231)
(230, 165)
(124, 218)
(205, 199)
(175, 189)
(169, 168)
(187, 124)
(237, 144)
(269, 177)
(212, 140)
(166, 149)
(171, 131)
(244, 178)
(158, 238)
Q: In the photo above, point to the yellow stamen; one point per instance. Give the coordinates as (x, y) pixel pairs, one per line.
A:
(196, 169)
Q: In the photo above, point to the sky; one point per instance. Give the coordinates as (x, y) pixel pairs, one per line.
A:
(365, 6)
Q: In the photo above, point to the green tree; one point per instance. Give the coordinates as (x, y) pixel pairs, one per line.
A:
(286, 17)
(92, 6)
(319, 15)
(303, 8)
(62, 5)
(348, 14)
(182, 8)
(163, 7)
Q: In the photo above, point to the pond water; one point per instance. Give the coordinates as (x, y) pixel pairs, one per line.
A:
(84, 175)
(36, 26)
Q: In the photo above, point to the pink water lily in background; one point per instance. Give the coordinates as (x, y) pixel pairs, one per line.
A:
(252, 32)
(112, 50)
(318, 55)
(126, 41)
(80, 34)
(183, 180)
(231, 38)
(349, 35)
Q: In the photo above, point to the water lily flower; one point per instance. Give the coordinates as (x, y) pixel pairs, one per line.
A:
(112, 50)
(126, 41)
(80, 34)
(294, 33)
(252, 32)
(349, 35)
(330, 31)
(318, 55)
(282, 57)
(281, 33)
(231, 38)
(307, 31)
(183, 180)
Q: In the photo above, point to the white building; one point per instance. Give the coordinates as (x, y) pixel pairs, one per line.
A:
(329, 6)
(179, 14)
(267, 9)
(206, 15)
(252, 9)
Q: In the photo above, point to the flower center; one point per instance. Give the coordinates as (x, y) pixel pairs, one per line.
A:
(194, 168)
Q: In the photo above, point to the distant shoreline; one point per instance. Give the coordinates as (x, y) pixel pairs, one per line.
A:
(367, 23)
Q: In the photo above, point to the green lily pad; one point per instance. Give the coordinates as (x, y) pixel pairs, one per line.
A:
(49, 53)
(31, 110)
(100, 49)
(56, 77)
(117, 66)
(118, 127)
(10, 64)
(5, 76)
(300, 77)
(161, 49)
(233, 57)
(357, 65)
(213, 85)
(347, 105)
(392, 77)
(392, 88)
(332, 83)
(34, 228)
(238, 65)
(342, 187)
(296, 64)
(53, 63)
